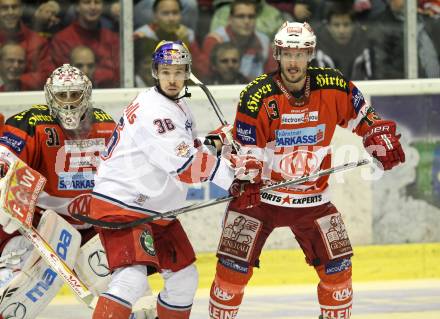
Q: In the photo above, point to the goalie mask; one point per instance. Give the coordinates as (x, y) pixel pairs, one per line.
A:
(68, 92)
(171, 52)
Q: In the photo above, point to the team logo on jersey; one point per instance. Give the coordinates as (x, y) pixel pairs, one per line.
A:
(13, 141)
(357, 99)
(80, 205)
(183, 150)
(303, 136)
(147, 242)
(76, 181)
(299, 163)
(299, 118)
(246, 134)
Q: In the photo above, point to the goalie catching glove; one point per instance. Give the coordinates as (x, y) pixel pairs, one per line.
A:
(246, 186)
(383, 144)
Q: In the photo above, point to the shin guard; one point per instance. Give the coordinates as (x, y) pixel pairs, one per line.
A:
(335, 293)
(227, 292)
(111, 307)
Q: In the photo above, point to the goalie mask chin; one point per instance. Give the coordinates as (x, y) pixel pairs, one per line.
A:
(68, 92)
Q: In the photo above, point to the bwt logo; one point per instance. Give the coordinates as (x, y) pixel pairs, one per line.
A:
(49, 275)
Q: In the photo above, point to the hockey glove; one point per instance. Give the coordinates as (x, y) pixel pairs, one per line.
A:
(4, 167)
(246, 195)
(382, 143)
(219, 137)
(247, 168)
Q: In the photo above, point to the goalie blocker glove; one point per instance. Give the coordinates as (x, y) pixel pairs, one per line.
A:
(383, 144)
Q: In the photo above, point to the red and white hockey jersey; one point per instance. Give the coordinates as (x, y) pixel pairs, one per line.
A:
(293, 136)
(152, 158)
(69, 165)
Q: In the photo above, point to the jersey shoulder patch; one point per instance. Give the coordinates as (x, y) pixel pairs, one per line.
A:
(327, 78)
(252, 96)
(100, 116)
(28, 120)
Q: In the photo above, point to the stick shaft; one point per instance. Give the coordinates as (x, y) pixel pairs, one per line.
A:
(189, 208)
(58, 265)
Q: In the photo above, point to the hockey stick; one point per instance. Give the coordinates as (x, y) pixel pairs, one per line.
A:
(217, 111)
(19, 192)
(172, 213)
(211, 98)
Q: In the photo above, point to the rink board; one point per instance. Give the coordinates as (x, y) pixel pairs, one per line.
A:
(370, 263)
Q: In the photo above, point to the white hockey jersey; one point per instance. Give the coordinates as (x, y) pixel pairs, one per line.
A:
(153, 156)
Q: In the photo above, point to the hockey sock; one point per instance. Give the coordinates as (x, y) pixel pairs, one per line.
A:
(109, 306)
(335, 293)
(227, 292)
(164, 312)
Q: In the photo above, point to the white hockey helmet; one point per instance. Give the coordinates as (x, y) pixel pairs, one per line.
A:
(68, 92)
(294, 35)
(171, 52)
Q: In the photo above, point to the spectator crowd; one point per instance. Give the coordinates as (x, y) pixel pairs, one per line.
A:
(230, 40)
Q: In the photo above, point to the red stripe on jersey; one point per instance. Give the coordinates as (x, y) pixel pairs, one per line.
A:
(199, 170)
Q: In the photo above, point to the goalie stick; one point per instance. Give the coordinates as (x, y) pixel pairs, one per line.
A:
(19, 192)
(172, 213)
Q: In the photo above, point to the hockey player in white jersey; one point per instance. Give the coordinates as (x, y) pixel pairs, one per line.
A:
(151, 159)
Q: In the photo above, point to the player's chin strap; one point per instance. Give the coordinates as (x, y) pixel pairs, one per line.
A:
(186, 94)
(175, 212)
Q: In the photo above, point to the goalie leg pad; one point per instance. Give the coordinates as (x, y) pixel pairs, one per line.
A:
(129, 283)
(227, 289)
(110, 306)
(335, 293)
(15, 253)
(36, 284)
(92, 266)
(176, 298)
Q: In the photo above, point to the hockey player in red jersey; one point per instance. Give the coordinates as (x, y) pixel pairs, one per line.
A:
(61, 140)
(151, 160)
(287, 119)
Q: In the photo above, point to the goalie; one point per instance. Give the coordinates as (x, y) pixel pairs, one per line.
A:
(62, 140)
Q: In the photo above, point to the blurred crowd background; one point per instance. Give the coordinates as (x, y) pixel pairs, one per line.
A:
(230, 40)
